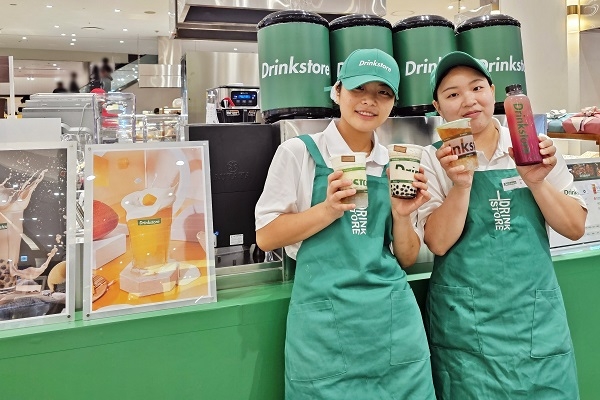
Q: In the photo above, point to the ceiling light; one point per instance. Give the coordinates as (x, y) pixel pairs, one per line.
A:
(117, 10)
(54, 65)
(124, 29)
(48, 6)
(120, 41)
(24, 37)
(450, 7)
(463, 7)
(63, 34)
(56, 26)
(57, 68)
(72, 44)
(72, 34)
(235, 49)
(73, 40)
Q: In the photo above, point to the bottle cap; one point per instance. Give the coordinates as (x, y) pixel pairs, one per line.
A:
(513, 88)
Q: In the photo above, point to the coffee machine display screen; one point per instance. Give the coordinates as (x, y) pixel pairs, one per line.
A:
(244, 98)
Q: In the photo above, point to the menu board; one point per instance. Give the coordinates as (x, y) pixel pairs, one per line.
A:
(37, 271)
(586, 176)
(147, 211)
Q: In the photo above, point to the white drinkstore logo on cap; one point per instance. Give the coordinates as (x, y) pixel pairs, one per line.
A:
(374, 63)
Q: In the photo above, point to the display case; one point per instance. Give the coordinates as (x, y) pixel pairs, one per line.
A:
(117, 120)
(159, 128)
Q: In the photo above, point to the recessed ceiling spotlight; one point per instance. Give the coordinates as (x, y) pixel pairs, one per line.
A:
(58, 68)
(54, 65)
(72, 44)
(56, 26)
(124, 29)
(450, 7)
(73, 40)
(117, 10)
(120, 41)
(463, 7)
(72, 34)
(48, 6)
(24, 37)
(235, 49)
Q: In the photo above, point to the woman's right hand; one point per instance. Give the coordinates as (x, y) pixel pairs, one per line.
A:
(333, 203)
(459, 176)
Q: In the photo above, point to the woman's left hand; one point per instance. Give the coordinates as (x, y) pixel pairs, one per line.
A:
(404, 207)
(535, 174)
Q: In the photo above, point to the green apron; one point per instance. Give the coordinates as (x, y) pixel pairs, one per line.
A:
(354, 329)
(497, 323)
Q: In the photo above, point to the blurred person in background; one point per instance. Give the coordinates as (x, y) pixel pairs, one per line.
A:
(73, 85)
(95, 78)
(105, 78)
(106, 66)
(60, 88)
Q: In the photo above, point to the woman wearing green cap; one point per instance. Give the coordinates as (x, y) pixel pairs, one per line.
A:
(354, 329)
(497, 323)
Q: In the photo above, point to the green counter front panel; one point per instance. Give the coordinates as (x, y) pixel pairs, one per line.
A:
(229, 350)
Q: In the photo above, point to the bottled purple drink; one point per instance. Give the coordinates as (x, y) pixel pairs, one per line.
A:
(525, 143)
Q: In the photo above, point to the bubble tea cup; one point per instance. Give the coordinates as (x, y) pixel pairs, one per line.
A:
(405, 160)
(354, 166)
(460, 138)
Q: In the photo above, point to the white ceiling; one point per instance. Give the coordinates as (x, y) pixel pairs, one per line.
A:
(97, 27)
(94, 25)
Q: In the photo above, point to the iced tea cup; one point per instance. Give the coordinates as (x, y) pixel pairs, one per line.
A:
(460, 138)
(149, 218)
(405, 160)
(354, 166)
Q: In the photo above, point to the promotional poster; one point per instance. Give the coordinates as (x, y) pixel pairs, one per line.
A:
(34, 233)
(147, 211)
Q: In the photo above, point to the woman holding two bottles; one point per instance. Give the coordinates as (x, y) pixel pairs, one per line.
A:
(497, 322)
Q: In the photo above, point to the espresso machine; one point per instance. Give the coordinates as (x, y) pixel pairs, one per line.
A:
(232, 104)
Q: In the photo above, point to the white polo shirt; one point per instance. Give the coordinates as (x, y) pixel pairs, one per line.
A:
(439, 184)
(289, 184)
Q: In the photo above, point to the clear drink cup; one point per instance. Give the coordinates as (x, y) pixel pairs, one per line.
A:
(354, 166)
(149, 218)
(460, 138)
(405, 160)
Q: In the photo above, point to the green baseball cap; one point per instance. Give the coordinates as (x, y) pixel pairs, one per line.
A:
(451, 60)
(370, 65)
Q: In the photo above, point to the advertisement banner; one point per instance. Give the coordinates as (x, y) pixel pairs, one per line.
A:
(37, 195)
(148, 215)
